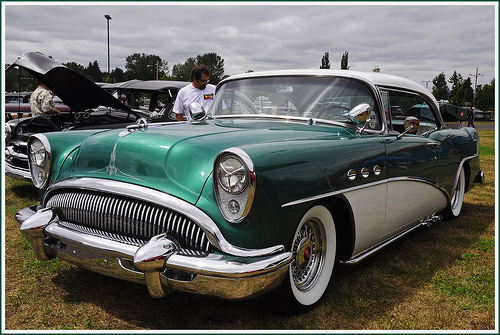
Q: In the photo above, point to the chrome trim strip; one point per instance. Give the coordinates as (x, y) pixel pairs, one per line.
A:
(360, 257)
(163, 199)
(90, 243)
(376, 248)
(16, 154)
(460, 166)
(329, 194)
(287, 118)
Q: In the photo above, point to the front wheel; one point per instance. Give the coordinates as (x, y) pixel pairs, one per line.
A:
(314, 249)
(457, 198)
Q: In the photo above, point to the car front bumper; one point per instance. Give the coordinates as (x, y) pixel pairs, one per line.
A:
(159, 264)
(12, 160)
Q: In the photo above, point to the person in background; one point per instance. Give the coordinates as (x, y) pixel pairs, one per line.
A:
(42, 102)
(198, 91)
(470, 117)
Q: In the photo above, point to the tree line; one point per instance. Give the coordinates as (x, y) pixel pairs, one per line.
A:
(137, 66)
(151, 67)
(461, 93)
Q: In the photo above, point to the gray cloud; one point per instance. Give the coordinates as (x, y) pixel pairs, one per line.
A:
(417, 41)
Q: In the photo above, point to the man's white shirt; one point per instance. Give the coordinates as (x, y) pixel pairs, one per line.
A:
(189, 94)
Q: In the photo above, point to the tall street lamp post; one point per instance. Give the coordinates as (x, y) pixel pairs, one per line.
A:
(107, 20)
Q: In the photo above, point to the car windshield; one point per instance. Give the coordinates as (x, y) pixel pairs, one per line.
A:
(323, 98)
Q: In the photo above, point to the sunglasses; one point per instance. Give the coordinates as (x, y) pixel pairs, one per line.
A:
(204, 81)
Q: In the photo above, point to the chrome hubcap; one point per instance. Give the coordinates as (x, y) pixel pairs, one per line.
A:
(303, 255)
(309, 254)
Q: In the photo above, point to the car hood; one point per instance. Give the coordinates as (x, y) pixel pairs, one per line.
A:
(75, 90)
(178, 158)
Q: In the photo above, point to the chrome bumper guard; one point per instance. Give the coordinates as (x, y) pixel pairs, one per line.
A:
(16, 172)
(159, 263)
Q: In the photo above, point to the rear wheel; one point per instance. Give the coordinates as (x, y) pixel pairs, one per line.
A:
(457, 198)
(314, 249)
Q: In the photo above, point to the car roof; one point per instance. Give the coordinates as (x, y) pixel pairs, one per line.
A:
(75, 90)
(111, 86)
(155, 85)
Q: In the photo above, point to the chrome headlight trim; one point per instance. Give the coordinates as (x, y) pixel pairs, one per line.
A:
(39, 159)
(8, 132)
(234, 184)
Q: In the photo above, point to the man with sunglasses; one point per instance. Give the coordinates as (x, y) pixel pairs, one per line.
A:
(198, 91)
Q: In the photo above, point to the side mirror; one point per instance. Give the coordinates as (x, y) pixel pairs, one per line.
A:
(359, 115)
(197, 112)
(411, 125)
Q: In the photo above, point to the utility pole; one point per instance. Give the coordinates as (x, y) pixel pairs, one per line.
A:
(475, 82)
(426, 83)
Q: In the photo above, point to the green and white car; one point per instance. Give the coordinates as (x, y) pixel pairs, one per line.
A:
(235, 204)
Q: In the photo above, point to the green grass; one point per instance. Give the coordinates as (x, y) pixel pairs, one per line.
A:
(437, 278)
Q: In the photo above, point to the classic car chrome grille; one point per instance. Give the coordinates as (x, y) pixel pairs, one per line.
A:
(126, 220)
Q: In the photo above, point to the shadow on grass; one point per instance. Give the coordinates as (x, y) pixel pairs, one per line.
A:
(25, 191)
(356, 295)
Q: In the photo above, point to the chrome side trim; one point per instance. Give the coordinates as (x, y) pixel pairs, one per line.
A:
(329, 194)
(153, 196)
(355, 188)
(460, 166)
(360, 257)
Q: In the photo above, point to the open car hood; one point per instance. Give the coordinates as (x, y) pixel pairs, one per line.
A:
(75, 90)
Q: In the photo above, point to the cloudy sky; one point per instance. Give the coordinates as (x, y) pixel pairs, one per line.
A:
(414, 40)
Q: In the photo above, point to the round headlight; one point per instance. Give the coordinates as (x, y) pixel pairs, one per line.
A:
(39, 159)
(37, 153)
(232, 175)
(234, 184)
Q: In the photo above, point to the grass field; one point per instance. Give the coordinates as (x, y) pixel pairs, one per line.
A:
(437, 278)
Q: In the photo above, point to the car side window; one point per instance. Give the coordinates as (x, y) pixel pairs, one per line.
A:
(405, 104)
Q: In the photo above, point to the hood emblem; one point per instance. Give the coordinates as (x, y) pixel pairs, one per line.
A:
(141, 124)
(111, 168)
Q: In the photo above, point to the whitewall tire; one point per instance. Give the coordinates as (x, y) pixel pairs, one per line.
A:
(457, 198)
(314, 249)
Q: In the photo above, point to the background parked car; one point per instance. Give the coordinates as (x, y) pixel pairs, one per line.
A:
(154, 96)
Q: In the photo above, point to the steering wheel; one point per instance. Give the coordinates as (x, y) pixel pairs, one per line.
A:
(331, 112)
(243, 100)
